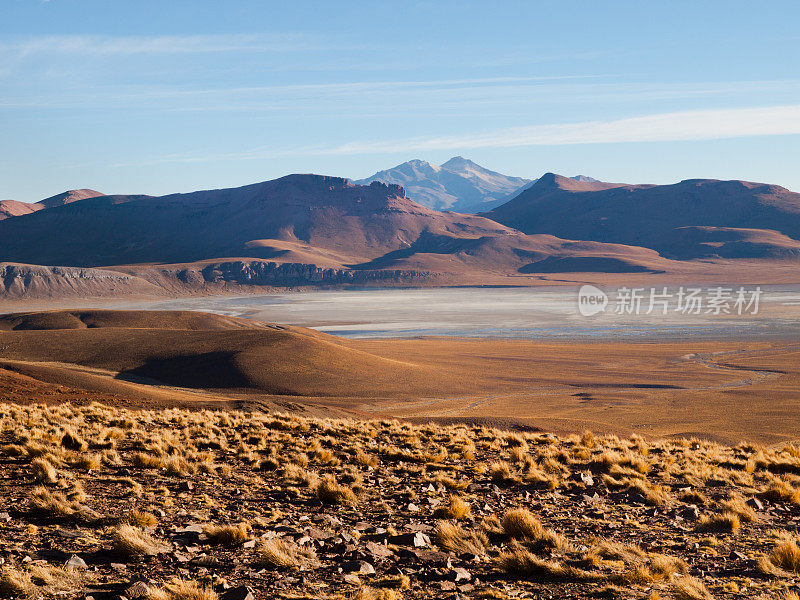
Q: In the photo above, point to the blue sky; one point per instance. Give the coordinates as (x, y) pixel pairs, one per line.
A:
(159, 97)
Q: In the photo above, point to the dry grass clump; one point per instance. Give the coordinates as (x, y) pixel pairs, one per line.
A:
(737, 505)
(785, 557)
(44, 471)
(780, 490)
(57, 504)
(727, 521)
(279, 553)
(453, 538)
(521, 524)
(228, 534)
(455, 509)
(132, 541)
(142, 460)
(691, 588)
(517, 560)
(140, 519)
(38, 581)
(329, 491)
(501, 472)
(364, 459)
(180, 589)
(369, 593)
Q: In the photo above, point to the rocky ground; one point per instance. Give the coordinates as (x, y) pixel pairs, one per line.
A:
(98, 502)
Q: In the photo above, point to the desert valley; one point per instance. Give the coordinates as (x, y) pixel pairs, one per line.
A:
(399, 300)
(392, 443)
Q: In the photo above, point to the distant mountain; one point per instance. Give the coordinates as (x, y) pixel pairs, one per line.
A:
(325, 222)
(695, 218)
(459, 184)
(68, 197)
(12, 208)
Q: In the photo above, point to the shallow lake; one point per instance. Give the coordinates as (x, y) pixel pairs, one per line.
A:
(550, 313)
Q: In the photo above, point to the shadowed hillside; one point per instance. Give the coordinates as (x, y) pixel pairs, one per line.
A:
(739, 218)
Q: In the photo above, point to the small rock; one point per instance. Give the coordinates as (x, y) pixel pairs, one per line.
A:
(138, 590)
(460, 574)
(415, 540)
(358, 566)
(755, 503)
(690, 513)
(352, 579)
(75, 563)
(241, 592)
(249, 544)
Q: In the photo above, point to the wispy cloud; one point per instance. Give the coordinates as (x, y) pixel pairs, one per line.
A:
(167, 44)
(664, 127)
(694, 125)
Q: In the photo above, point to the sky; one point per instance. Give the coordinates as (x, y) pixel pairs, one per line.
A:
(157, 97)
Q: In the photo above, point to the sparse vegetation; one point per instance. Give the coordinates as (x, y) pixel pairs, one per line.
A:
(280, 502)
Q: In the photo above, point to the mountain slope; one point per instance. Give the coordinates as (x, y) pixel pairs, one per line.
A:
(12, 208)
(324, 213)
(459, 184)
(309, 227)
(657, 216)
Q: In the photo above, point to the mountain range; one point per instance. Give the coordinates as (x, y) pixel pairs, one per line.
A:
(316, 230)
(459, 184)
(692, 219)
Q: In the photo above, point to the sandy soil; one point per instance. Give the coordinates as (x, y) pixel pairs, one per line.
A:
(728, 390)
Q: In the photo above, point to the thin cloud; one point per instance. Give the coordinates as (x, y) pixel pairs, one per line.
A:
(167, 44)
(695, 125)
(665, 127)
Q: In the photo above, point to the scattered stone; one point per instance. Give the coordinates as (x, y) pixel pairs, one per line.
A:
(241, 592)
(358, 566)
(416, 540)
(755, 504)
(136, 590)
(75, 563)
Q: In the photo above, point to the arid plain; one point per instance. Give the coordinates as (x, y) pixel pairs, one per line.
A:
(729, 389)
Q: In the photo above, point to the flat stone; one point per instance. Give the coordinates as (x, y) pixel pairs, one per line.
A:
(137, 590)
(241, 592)
(415, 540)
(75, 562)
(358, 566)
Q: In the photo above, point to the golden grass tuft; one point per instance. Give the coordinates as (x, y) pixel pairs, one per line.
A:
(456, 509)
(140, 519)
(691, 588)
(329, 491)
(784, 557)
(727, 522)
(132, 541)
(228, 534)
(44, 471)
(279, 553)
(180, 589)
(453, 538)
